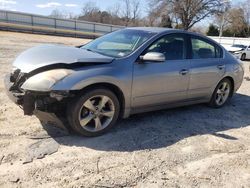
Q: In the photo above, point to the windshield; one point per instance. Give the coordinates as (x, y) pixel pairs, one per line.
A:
(119, 43)
(239, 46)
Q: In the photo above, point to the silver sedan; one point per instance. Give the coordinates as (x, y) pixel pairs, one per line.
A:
(87, 88)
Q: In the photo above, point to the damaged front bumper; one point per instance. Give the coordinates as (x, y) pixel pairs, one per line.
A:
(48, 107)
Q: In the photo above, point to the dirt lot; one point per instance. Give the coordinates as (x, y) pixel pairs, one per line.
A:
(193, 146)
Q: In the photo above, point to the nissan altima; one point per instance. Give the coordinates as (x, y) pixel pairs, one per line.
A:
(87, 88)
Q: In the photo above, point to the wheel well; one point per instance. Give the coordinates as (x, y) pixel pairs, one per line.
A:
(116, 90)
(232, 82)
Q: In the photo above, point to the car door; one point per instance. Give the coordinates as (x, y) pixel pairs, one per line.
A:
(207, 67)
(155, 83)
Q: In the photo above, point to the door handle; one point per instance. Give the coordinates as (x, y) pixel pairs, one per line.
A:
(184, 72)
(221, 67)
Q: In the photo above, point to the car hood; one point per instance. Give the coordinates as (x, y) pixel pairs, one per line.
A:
(233, 49)
(46, 55)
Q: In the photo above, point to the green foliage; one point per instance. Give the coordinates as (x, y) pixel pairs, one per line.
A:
(244, 32)
(213, 30)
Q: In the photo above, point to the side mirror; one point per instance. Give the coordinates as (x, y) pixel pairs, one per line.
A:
(153, 56)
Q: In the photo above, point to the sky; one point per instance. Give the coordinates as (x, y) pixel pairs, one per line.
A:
(45, 7)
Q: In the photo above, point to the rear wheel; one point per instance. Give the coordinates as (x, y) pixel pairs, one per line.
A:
(93, 113)
(243, 57)
(221, 94)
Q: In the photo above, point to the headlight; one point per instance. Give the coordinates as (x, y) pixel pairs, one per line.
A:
(238, 52)
(45, 80)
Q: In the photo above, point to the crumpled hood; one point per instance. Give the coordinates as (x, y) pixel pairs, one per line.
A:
(45, 55)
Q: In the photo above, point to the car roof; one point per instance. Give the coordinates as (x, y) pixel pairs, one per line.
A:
(159, 30)
(153, 29)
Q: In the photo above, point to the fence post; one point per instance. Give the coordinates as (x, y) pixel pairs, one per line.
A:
(75, 29)
(111, 28)
(32, 24)
(94, 28)
(55, 24)
(7, 17)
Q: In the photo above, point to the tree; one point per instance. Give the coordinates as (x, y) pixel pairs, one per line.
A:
(166, 21)
(127, 11)
(213, 30)
(222, 16)
(131, 11)
(153, 13)
(63, 14)
(135, 8)
(232, 23)
(190, 12)
(246, 8)
(114, 12)
(237, 22)
(90, 12)
(58, 14)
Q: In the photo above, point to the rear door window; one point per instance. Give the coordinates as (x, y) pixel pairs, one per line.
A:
(202, 49)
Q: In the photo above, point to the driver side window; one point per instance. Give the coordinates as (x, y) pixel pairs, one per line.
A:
(172, 46)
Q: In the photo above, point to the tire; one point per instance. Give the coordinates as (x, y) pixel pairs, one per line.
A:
(217, 100)
(93, 112)
(243, 57)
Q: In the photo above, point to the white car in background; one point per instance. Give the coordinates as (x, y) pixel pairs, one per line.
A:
(241, 51)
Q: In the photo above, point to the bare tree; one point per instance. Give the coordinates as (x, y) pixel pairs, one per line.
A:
(190, 12)
(114, 11)
(154, 12)
(246, 8)
(222, 16)
(135, 9)
(56, 13)
(127, 11)
(237, 21)
(63, 14)
(89, 8)
(91, 12)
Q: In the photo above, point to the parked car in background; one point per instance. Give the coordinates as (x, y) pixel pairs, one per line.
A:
(122, 73)
(240, 51)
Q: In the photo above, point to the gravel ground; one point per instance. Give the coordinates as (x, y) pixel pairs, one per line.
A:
(193, 146)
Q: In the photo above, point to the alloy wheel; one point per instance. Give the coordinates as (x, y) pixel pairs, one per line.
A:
(222, 93)
(96, 113)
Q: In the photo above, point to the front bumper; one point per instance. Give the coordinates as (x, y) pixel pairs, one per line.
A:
(17, 98)
(24, 100)
(238, 55)
(31, 105)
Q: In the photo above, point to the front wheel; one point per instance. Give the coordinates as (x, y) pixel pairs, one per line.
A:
(94, 112)
(243, 57)
(221, 94)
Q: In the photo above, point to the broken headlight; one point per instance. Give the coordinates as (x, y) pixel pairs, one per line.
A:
(45, 80)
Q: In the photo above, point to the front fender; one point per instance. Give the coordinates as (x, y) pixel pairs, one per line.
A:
(82, 78)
